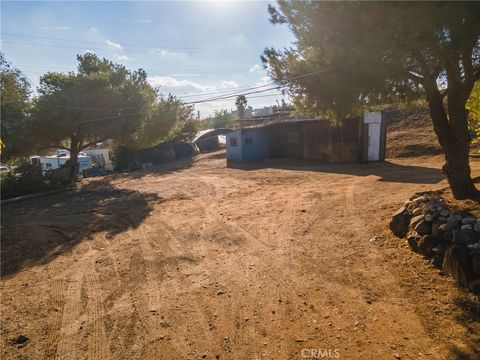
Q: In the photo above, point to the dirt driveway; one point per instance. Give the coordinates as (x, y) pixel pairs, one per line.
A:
(273, 261)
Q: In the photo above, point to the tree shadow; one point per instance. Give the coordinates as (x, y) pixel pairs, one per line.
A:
(385, 170)
(469, 318)
(413, 150)
(36, 231)
(159, 169)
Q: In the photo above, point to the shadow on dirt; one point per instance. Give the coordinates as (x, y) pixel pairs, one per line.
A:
(470, 319)
(413, 150)
(38, 230)
(387, 171)
(159, 169)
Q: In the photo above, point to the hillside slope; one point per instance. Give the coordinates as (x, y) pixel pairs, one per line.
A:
(410, 133)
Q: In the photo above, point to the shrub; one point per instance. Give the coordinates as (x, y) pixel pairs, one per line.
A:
(25, 179)
(125, 158)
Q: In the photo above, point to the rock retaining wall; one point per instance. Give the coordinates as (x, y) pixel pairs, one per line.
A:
(450, 240)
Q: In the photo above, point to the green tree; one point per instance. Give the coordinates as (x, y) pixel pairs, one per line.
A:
(164, 122)
(351, 55)
(102, 100)
(221, 119)
(14, 93)
(473, 107)
(241, 104)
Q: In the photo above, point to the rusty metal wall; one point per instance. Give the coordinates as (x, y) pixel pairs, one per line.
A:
(329, 143)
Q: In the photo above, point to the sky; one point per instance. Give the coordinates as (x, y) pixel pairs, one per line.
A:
(194, 50)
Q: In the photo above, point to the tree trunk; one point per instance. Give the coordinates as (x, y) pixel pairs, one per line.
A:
(457, 170)
(72, 162)
(454, 138)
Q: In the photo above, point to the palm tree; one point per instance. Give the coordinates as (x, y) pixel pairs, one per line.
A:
(241, 103)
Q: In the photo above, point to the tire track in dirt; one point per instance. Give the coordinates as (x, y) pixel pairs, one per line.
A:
(259, 249)
(133, 277)
(57, 303)
(97, 340)
(152, 307)
(69, 328)
(176, 248)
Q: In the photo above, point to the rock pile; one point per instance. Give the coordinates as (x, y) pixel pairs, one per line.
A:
(450, 240)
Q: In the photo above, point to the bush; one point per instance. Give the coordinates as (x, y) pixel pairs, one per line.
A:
(25, 179)
(125, 158)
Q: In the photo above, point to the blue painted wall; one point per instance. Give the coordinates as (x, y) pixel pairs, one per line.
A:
(252, 144)
(234, 152)
(255, 144)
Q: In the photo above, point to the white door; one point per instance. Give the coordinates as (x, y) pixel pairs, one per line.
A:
(373, 141)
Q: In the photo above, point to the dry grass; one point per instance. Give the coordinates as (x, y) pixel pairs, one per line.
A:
(410, 133)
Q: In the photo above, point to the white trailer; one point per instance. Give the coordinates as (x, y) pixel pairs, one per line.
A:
(52, 162)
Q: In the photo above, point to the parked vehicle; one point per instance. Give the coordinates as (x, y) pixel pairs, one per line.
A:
(52, 162)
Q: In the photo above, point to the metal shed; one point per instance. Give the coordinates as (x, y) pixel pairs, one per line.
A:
(355, 140)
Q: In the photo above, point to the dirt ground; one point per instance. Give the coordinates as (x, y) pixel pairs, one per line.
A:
(277, 260)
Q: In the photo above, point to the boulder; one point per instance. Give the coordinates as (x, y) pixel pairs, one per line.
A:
(468, 220)
(427, 243)
(455, 218)
(464, 237)
(413, 242)
(429, 217)
(437, 261)
(476, 265)
(474, 286)
(437, 228)
(417, 211)
(466, 227)
(423, 228)
(458, 264)
(444, 213)
(415, 220)
(452, 224)
(476, 227)
(427, 210)
(419, 200)
(400, 221)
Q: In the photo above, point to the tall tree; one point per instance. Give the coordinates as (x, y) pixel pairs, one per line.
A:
(220, 119)
(473, 107)
(351, 55)
(102, 100)
(241, 104)
(14, 93)
(169, 119)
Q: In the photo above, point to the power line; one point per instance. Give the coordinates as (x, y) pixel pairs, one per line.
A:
(145, 46)
(151, 51)
(169, 70)
(229, 96)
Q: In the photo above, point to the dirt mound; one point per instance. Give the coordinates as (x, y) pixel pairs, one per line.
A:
(410, 133)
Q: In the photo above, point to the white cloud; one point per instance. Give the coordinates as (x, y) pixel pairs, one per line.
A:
(166, 53)
(137, 21)
(229, 84)
(255, 67)
(121, 57)
(170, 83)
(264, 80)
(113, 45)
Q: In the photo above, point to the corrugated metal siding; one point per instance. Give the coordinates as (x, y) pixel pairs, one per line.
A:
(234, 152)
(329, 143)
(317, 140)
(256, 144)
